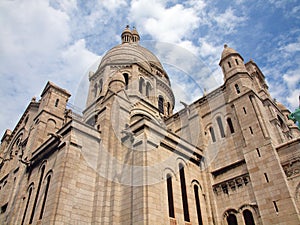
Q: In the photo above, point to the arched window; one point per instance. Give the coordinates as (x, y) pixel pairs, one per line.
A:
(170, 196)
(148, 89)
(125, 75)
(248, 217)
(37, 194)
(141, 84)
(230, 125)
(231, 219)
(212, 134)
(100, 85)
(45, 196)
(161, 104)
(27, 203)
(184, 194)
(196, 192)
(221, 128)
(237, 89)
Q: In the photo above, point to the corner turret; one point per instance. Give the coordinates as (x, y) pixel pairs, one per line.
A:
(231, 62)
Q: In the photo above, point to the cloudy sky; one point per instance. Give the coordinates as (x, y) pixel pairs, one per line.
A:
(61, 40)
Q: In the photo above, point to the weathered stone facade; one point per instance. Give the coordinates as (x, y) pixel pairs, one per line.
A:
(231, 157)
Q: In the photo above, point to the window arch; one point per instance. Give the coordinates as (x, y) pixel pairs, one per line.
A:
(170, 196)
(126, 77)
(45, 196)
(184, 194)
(248, 217)
(231, 219)
(141, 84)
(221, 128)
(27, 203)
(230, 125)
(198, 206)
(212, 134)
(161, 104)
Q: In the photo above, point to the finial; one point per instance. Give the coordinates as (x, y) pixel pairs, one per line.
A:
(225, 46)
(127, 26)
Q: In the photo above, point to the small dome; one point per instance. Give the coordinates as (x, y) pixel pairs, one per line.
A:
(126, 30)
(135, 35)
(228, 51)
(126, 35)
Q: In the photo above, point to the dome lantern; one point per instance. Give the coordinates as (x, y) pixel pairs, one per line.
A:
(126, 35)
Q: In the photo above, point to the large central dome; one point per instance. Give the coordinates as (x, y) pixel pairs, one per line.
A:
(130, 51)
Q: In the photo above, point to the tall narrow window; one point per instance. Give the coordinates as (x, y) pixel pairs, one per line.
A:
(100, 85)
(170, 196)
(125, 75)
(95, 90)
(141, 84)
(169, 108)
(56, 102)
(37, 194)
(45, 196)
(184, 194)
(196, 191)
(275, 207)
(281, 122)
(230, 125)
(148, 89)
(266, 177)
(245, 111)
(26, 206)
(248, 217)
(229, 64)
(212, 134)
(231, 219)
(236, 61)
(237, 88)
(221, 128)
(161, 104)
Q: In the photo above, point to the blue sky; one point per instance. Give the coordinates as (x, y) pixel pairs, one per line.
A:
(60, 41)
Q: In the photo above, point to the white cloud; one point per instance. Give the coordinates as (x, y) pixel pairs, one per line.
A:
(228, 20)
(35, 46)
(167, 24)
(293, 99)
